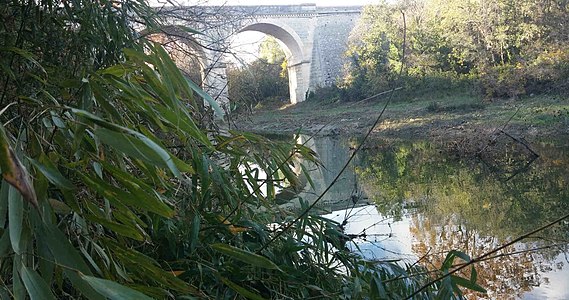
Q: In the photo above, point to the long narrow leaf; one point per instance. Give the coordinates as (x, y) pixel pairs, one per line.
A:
(113, 290)
(15, 217)
(241, 290)
(52, 173)
(245, 256)
(37, 288)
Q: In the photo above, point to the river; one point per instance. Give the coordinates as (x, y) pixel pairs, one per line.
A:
(411, 200)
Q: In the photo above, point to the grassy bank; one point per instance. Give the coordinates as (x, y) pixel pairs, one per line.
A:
(448, 117)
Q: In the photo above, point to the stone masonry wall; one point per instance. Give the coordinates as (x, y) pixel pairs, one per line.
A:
(330, 44)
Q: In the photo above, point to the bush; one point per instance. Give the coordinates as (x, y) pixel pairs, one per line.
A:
(506, 81)
(256, 83)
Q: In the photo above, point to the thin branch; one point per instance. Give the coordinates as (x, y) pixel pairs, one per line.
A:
(287, 226)
(488, 254)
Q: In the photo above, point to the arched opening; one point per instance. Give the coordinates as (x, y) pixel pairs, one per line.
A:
(284, 34)
(297, 67)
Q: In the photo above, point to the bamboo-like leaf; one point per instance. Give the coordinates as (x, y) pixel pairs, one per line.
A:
(37, 288)
(18, 288)
(25, 54)
(194, 237)
(184, 123)
(467, 284)
(5, 244)
(15, 218)
(377, 291)
(122, 229)
(137, 144)
(63, 252)
(52, 174)
(116, 70)
(6, 69)
(245, 256)
(147, 266)
(241, 290)
(4, 188)
(65, 255)
(113, 290)
(216, 108)
(137, 199)
(13, 171)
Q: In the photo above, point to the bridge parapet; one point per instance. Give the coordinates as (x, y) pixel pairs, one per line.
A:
(316, 37)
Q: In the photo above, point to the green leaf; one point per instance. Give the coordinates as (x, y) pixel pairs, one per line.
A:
(377, 291)
(241, 290)
(15, 218)
(18, 288)
(113, 290)
(183, 122)
(25, 54)
(62, 250)
(52, 174)
(245, 256)
(130, 142)
(37, 288)
(130, 146)
(194, 236)
(139, 196)
(65, 255)
(4, 188)
(13, 171)
(467, 284)
(5, 244)
(117, 70)
(449, 260)
(122, 229)
(218, 111)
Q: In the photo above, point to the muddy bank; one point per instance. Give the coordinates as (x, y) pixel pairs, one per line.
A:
(463, 131)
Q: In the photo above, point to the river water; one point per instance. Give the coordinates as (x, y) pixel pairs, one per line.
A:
(407, 201)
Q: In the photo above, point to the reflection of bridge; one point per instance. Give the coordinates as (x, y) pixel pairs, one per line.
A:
(315, 39)
(333, 153)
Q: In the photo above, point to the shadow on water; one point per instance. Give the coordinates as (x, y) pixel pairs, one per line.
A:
(426, 203)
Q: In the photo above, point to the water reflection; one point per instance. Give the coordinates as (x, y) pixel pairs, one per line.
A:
(333, 153)
(427, 203)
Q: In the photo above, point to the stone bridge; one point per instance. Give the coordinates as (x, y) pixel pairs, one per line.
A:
(316, 39)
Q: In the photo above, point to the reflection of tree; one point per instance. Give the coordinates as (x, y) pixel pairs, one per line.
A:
(505, 277)
(463, 205)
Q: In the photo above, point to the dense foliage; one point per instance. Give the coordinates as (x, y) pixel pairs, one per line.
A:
(505, 48)
(261, 81)
(112, 188)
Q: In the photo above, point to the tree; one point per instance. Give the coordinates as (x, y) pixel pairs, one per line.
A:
(112, 187)
(263, 79)
(502, 45)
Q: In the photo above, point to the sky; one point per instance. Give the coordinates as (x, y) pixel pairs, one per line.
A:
(271, 2)
(246, 44)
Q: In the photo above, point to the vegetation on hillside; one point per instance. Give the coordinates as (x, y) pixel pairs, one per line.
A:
(112, 187)
(505, 48)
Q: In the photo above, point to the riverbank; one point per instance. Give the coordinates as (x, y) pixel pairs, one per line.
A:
(461, 121)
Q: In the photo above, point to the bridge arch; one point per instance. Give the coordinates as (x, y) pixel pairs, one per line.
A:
(298, 67)
(283, 33)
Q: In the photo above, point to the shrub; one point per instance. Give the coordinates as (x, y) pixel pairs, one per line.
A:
(505, 81)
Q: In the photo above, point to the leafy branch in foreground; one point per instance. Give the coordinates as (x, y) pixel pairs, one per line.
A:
(134, 197)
